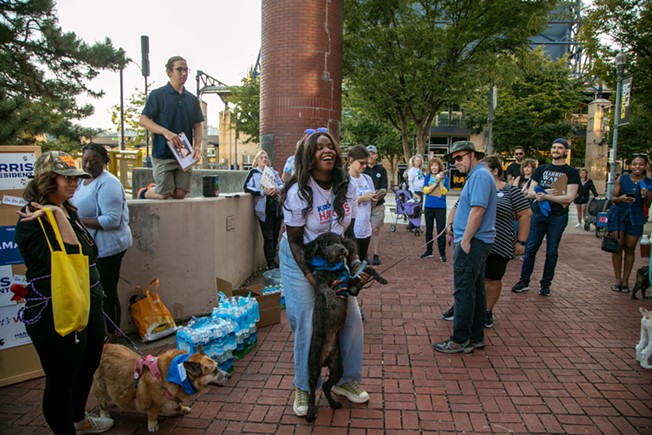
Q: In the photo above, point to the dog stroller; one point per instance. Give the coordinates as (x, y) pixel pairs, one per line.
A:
(596, 215)
(408, 208)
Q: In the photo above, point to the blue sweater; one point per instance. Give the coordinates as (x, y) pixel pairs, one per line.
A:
(431, 200)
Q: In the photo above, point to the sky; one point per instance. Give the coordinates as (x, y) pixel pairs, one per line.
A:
(219, 37)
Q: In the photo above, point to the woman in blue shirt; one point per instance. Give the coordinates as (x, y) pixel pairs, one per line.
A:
(626, 218)
(102, 206)
(435, 186)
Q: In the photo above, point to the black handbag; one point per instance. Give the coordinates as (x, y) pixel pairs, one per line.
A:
(609, 244)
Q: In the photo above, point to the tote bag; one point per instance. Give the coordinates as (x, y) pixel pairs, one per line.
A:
(70, 284)
(150, 315)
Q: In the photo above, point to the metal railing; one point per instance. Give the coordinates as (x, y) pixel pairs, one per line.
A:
(122, 163)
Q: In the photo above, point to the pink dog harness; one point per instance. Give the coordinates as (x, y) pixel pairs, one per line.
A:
(151, 363)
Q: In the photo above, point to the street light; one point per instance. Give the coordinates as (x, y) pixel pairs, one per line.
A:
(621, 59)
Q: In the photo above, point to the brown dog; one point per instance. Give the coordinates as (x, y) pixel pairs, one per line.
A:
(115, 381)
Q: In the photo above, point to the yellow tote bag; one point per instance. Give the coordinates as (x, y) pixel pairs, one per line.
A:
(70, 282)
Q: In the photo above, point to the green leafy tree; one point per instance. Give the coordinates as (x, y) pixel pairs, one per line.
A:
(409, 59)
(537, 98)
(132, 110)
(246, 99)
(608, 27)
(42, 70)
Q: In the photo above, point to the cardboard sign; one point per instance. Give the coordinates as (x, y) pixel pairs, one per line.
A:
(15, 168)
(12, 330)
(9, 253)
(268, 179)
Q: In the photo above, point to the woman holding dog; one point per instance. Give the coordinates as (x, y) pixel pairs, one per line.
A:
(626, 218)
(102, 206)
(319, 198)
(69, 361)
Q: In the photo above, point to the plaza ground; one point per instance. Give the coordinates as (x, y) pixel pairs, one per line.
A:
(558, 364)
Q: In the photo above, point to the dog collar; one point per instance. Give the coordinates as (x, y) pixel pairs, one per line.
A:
(177, 373)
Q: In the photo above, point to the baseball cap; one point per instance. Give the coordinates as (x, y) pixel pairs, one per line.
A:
(60, 163)
(372, 149)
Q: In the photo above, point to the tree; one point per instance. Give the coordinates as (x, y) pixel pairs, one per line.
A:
(537, 98)
(608, 27)
(246, 99)
(132, 111)
(410, 59)
(42, 70)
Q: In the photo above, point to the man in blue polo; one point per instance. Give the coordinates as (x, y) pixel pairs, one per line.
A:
(170, 110)
(474, 229)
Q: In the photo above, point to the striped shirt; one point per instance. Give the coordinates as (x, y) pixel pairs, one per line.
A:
(510, 200)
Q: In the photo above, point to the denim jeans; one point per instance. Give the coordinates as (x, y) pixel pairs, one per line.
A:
(552, 227)
(470, 295)
(299, 305)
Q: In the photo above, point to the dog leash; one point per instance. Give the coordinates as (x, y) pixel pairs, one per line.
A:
(418, 248)
(129, 340)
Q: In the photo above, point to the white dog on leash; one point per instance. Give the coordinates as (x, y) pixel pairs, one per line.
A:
(644, 346)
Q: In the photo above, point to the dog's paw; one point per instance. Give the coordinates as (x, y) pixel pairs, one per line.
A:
(645, 365)
(183, 410)
(152, 426)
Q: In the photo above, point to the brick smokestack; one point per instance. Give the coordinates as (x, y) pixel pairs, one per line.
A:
(301, 72)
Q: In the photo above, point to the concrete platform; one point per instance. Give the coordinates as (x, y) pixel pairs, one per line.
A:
(558, 364)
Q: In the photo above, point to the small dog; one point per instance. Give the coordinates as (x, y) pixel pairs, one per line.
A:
(327, 256)
(642, 281)
(644, 346)
(130, 382)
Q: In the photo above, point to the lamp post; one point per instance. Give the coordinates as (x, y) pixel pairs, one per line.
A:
(621, 58)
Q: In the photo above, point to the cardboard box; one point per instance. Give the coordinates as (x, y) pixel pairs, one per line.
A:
(268, 305)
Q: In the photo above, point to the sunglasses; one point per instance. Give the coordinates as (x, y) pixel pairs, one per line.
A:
(519, 154)
(458, 158)
(71, 179)
(310, 131)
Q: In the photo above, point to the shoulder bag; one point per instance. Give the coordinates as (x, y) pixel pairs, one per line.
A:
(70, 284)
(609, 244)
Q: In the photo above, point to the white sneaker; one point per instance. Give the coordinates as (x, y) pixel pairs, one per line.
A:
(578, 225)
(352, 392)
(300, 406)
(93, 424)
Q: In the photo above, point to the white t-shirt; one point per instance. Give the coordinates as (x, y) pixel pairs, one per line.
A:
(362, 228)
(318, 220)
(415, 180)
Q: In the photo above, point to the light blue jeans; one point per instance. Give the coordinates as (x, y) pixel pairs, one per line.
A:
(299, 305)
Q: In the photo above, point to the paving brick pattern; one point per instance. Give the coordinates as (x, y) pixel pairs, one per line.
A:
(558, 364)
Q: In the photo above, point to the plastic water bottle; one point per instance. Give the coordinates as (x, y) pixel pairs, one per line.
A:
(645, 246)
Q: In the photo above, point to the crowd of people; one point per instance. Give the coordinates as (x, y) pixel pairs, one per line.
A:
(498, 216)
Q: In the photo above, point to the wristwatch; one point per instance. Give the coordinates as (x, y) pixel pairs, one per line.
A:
(520, 242)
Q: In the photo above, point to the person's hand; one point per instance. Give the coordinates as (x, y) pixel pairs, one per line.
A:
(176, 140)
(449, 229)
(466, 246)
(645, 192)
(311, 279)
(519, 250)
(270, 191)
(625, 198)
(363, 277)
(551, 191)
(541, 196)
(366, 197)
(38, 211)
(196, 153)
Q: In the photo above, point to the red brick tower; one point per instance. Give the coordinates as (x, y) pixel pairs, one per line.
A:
(301, 72)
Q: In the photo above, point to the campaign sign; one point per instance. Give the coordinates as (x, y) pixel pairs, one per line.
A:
(12, 330)
(6, 275)
(9, 253)
(15, 169)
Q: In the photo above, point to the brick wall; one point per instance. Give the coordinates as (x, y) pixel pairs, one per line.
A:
(301, 72)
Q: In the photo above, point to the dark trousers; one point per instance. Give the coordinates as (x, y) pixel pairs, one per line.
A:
(69, 364)
(470, 294)
(363, 247)
(552, 228)
(438, 215)
(271, 229)
(109, 268)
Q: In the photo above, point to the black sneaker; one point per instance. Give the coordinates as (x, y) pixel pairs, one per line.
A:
(489, 320)
(449, 346)
(376, 260)
(477, 344)
(426, 255)
(450, 314)
(521, 287)
(443, 259)
(545, 290)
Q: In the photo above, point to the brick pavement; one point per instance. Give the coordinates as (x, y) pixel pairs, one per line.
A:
(561, 364)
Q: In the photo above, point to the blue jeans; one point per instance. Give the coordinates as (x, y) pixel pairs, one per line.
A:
(299, 305)
(470, 295)
(552, 227)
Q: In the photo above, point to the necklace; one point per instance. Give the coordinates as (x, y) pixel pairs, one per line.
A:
(320, 190)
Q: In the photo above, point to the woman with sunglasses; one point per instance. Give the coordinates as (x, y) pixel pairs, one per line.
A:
(69, 361)
(102, 206)
(319, 198)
